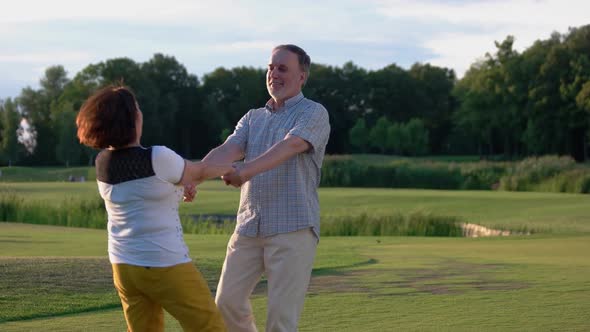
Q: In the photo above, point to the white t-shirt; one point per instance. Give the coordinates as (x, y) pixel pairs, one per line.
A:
(141, 199)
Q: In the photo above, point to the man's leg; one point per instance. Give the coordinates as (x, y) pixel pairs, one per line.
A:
(241, 272)
(288, 260)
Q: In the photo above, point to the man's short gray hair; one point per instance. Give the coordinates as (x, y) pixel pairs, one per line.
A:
(302, 57)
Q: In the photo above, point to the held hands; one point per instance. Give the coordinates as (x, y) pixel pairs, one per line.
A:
(235, 178)
(190, 191)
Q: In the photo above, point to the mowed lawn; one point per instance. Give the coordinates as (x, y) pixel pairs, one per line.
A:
(543, 212)
(59, 279)
(522, 283)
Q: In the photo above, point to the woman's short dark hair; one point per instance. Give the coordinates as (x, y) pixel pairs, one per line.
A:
(107, 118)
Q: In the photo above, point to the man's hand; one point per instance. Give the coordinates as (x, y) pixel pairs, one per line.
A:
(234, 178)
(190, 191)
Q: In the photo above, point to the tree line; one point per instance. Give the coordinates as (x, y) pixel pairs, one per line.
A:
(508, 103)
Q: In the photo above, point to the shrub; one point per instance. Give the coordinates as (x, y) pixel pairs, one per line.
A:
(530, 172)
(572, 181)
(483, 175)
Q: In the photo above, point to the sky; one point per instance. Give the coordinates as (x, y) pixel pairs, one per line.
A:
(205, 35)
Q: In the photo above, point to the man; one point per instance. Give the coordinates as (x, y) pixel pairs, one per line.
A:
(277, 231)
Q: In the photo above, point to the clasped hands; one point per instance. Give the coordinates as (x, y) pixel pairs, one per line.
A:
(234, 178)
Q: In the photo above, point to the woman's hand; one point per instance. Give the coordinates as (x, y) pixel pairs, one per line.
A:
(190, 191)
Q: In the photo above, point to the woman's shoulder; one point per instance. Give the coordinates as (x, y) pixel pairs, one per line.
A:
(168, 165)
(162, 150)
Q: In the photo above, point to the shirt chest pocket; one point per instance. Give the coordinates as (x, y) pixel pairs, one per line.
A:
(264, 141)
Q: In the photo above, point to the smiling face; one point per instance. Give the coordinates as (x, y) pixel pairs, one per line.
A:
(284, 77)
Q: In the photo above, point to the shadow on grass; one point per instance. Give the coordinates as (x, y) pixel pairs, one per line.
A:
(41, 287)
(339, 270)
(334, 272)
(62, 313)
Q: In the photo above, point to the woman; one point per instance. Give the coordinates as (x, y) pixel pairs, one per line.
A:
(152, 269)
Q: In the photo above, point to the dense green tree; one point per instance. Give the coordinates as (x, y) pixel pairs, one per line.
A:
(343, 91)
(10, 149)
(68, 149)
(397, 138)
(539, 136)
(392, 93)
(473, 120)
(434, 102)
(359, 136)
(577, 44)
(35, 106)
(417, 135)
(54, 82)
(505, 79)
(378, 134)
(227, 96)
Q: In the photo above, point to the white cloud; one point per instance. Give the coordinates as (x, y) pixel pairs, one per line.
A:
(458, 51)
(541, 13)
(254, 45)
(45, 57)
(206, 34)
(469, 30)
(130, 10)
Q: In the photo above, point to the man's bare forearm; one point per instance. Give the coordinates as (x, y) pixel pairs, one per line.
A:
(225, 153)
(275, 156)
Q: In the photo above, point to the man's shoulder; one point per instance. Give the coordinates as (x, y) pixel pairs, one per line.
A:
(256, 113)
(309, 106)
(307, 101)
(258, 110)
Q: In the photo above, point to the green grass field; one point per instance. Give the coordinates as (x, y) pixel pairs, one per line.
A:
(535, 283)
(58, 279)
(36, 174)
(543, 212)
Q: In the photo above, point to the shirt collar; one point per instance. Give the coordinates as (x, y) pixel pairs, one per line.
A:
(288, 103)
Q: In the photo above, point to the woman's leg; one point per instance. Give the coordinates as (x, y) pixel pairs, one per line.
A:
(184, 293)
(141, 312)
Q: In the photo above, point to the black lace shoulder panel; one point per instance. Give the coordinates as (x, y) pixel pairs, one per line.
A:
(117, 166)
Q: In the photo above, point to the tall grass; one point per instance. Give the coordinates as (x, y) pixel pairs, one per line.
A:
(70, 213)
(92, 214)
(413, 224)
(206, 225)
(547, 173)
(572, 181)
(406, 174)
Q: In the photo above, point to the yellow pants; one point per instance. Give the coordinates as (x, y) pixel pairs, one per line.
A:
(180, 289)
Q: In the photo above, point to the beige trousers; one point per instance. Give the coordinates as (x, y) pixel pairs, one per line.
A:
(286, 260)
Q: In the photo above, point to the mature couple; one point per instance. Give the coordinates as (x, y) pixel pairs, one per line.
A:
(282, 145)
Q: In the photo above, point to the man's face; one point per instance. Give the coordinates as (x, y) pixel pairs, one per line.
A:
(284, 77)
